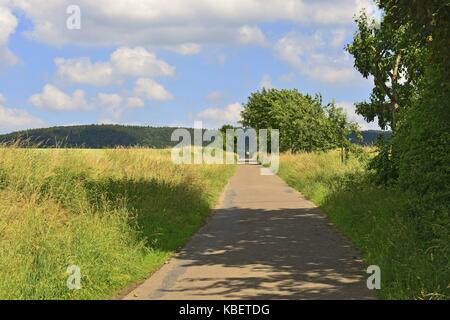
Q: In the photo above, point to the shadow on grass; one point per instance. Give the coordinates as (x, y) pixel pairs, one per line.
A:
(166, 215)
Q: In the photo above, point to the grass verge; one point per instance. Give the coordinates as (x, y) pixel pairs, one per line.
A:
(380, 221)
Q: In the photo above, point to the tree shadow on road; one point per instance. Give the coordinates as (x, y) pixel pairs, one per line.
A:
(268, 254)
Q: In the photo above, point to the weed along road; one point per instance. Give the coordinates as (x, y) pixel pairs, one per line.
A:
(263, 241)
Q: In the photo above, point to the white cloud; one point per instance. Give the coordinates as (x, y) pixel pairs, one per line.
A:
(125, 62)
(186, 49)
(316, 56)
(53, 99)
(139, 62)
(16, 119)
(251, 35)
(151, 90)
(114, 105)
(83, 71)
(350, 111)
(134, 102)
(147, 22)
(8, 25)
(266, 82)
(112, 102)
(216, 117)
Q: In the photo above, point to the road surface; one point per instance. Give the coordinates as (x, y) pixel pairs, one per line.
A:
(263, 241)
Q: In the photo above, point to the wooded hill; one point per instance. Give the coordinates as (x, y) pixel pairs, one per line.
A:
(109, 136)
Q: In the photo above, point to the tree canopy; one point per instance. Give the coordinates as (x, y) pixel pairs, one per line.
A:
(305, 124)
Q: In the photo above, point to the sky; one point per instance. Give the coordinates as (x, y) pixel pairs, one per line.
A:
(170, 62)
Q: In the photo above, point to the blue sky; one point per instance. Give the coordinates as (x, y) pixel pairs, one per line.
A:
(170, 62)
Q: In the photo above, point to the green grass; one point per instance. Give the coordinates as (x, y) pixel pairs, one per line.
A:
(378, 220)
(117, 214)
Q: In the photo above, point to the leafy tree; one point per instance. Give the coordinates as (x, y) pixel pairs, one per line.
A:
(407, 55)
(341, 129)
(290, 112)
(304, 123)
(232, 144)
(423, 139)
(389, 54)
(386, 53)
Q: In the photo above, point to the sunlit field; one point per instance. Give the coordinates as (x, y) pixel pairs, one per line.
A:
(379, 220)
(116, 214)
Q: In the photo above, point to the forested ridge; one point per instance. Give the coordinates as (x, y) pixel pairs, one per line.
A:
(110, 136)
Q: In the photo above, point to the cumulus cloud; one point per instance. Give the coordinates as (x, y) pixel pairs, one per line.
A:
(146, 22)
(139, 62)
(124, 62)
(151, 90)
(315, 55)
(134, 102)
(16, 119)
(8, 25)
(251, 35)
(53, 99)
(350, 111)
(114, 105)
(216, 117)
(83, 71)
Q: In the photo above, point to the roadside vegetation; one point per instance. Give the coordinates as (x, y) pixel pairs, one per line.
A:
(394, 204)
(117, 214)
(379, 221)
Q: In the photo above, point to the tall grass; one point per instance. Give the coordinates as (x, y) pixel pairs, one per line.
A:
(117, 214)
(378, 220)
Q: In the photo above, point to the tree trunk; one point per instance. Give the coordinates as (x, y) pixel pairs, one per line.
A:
(394, 100)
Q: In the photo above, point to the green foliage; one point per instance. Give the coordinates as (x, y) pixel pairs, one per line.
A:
(412, 251)
(384, 52)
(418, 156)
(413, 36)
(93, 136)
(232, 143)
(384, 164)
(304, 124)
